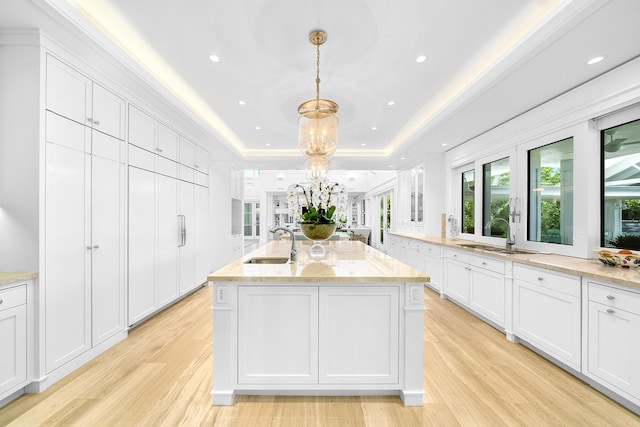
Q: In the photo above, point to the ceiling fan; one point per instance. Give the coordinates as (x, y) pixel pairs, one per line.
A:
(614, 143)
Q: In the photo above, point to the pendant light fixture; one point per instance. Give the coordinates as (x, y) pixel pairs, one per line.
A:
(318, 121)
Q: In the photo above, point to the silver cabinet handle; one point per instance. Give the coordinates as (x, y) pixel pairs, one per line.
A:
(96, 122)
(484, 263)
(197, 166)
(610, 297)
(183, 231)
(159, 150)
(1, 301)
(541, 278)
(95, 246)
(90, 119)
(89, 247)
(610, 311)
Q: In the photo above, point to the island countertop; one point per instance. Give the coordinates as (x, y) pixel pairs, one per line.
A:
(345, 262)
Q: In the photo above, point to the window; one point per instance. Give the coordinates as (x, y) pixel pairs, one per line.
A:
(416, 194)
(495, 197)
(621, 186)
(468, 205)
(551, 193)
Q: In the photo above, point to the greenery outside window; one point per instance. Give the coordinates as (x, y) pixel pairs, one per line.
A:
(468, 204)
(495, 196)
(621, 186)
(551, 193)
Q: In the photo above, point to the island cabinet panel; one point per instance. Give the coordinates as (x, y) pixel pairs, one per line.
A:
(277, 335)
(358, 335)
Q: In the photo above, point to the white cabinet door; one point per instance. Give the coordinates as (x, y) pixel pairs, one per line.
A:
(358, 335)
(201, 237)
(457, 280)
(201, 160)
(107, 253)
(187, 153)
(168, 141)
(487, 294)
(13, 336)
(68, 92)
(614, 347)
(277, 335)
(108, 112)
(67, 255)
(141, 279)
(168, 238)
(187, 249)
(549, 320)
(142, 129)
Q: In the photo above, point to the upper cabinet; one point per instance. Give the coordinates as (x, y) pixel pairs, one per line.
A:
(76, 97)
(147, 133)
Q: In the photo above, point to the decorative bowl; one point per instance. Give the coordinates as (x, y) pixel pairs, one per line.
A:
(318, 231)
(618, 257)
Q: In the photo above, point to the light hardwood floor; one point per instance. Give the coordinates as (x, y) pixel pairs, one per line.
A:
(161, 376)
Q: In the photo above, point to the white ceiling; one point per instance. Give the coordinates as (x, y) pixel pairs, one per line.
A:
(487, 62)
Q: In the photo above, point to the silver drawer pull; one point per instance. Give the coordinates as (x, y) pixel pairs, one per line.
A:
(1, 301)
(484, 263)
(159, 150)
(541, 278)
(90, 120)
(96, 122)
(610, 311)
(197, 166)
(95, 246)
(89, 247)
(610, 297)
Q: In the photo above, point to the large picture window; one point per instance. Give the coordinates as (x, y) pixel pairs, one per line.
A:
(621, 186)
(495, 196)
(551, 193)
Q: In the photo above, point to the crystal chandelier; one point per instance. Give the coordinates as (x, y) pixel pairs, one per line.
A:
(317, 122)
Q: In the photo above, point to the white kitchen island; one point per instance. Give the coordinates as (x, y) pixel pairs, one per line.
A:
(348, 324)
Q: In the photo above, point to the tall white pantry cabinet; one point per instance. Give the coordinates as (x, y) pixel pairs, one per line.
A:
(66, 199)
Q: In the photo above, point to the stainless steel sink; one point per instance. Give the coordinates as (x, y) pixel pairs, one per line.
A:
(496, 249)
(267, 260)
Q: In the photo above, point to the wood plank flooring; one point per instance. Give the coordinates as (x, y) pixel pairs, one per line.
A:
(161, 376)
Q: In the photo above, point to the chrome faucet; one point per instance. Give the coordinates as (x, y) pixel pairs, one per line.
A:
(294, 254)
(511, 240)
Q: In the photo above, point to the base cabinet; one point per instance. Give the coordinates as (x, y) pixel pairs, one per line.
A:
(546, 312)
(456, 276)
(613, 349)
(311, 335)
(13, 336)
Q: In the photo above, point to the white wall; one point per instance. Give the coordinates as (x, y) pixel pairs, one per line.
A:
(20, 117)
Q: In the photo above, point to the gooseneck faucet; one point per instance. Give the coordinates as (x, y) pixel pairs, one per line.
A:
(510, 240)
(294, 254)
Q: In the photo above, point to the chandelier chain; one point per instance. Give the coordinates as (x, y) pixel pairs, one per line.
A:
(317, 72)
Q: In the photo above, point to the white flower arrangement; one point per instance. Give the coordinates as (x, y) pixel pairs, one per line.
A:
(311, 201)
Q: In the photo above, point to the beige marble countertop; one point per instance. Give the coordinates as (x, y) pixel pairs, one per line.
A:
(590, 268)
(345, 262)
(9, 277)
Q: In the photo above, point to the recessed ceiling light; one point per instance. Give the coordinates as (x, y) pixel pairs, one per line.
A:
(241, 102)
(401, 158)
(595, 60)
(363, 144)
(214, 58)
(390, 166)
(420, 59)
(374, 128)
(390, 103)
(258, 128)
(268, 144)
(444, 144)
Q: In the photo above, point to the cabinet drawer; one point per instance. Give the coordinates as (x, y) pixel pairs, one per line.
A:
(564, 283)
(13, 297)
(166, 167)
(455, 255)
(142, 159)
(490, 264)
(613, 297)
(431, 249)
